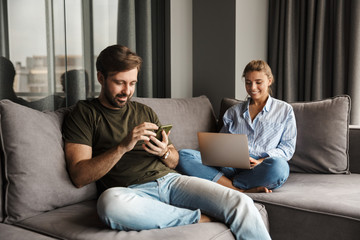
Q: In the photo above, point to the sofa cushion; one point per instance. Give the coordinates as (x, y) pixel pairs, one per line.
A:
(330, 194)
(314, 206)
(323, 132)
(10, 232)
(187, 115)
(36, 179)
(322, 140)
(80, 221)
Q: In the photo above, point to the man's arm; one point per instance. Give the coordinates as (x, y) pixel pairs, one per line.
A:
(167, 153)
(172, 159)
(85, 169)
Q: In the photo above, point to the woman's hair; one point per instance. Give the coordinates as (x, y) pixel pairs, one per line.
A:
(259, 66)
(117, 58)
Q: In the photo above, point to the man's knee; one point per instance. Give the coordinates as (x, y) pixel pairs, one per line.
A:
(114, 207)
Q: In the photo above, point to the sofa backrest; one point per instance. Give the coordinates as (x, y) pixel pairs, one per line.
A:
(35, 177)
(354, 148)
(1, 189)
(187, 115)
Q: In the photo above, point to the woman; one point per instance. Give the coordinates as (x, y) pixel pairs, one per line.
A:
(271, 130)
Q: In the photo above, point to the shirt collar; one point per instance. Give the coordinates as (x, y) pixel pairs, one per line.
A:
(246, 106)
(267, 106)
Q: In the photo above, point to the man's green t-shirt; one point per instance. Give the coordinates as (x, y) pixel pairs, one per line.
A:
(92, 124)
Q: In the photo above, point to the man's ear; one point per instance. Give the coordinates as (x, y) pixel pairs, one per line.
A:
(100, 78)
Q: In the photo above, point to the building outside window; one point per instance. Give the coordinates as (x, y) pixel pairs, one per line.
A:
(47, 38)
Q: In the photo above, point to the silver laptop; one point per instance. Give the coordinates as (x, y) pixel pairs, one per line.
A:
(224, 150)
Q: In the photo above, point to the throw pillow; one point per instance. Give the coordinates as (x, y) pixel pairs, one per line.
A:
(323, 132)
(36, 179)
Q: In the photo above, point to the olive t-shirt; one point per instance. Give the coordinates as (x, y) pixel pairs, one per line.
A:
(92, 124)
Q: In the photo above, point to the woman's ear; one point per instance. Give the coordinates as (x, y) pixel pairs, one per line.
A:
(270, 82)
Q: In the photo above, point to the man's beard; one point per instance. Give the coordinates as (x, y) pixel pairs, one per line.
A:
(114, 102)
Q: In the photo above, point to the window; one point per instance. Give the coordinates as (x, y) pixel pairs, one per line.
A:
(53, 46)
(27, 47)
(105, 28)
(49, 38)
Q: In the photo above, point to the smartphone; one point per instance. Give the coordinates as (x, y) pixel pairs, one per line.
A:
(166, 128)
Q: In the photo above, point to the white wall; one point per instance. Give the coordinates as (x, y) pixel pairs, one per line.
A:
(251, 42)
(181, 48)
(251, 38)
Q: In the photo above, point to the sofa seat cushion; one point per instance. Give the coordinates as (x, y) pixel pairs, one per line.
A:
(314, 206)
(329, 194)
(33, 163)
(10, 232)
(80, 221)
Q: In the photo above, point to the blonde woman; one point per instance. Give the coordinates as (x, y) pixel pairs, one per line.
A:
(270, 126)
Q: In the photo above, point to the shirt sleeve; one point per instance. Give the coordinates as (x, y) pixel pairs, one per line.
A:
(286, 146)
(78, 126)
(227, 120)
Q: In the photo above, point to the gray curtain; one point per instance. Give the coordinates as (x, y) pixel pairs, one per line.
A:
(137, 29)
(314, 50)
(4, 38)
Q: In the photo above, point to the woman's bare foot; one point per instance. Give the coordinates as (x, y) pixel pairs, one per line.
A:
(205, 218)
(257, 190)
(228, 183)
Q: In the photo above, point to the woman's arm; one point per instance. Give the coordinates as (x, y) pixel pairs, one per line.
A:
(287, 143)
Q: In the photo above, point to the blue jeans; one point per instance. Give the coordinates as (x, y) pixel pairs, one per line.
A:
(175, 200)
(271, 173)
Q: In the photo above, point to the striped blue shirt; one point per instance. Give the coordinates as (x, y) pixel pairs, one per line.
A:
(271, 134)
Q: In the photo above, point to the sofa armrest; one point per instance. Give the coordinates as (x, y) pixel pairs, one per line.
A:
(354, 148)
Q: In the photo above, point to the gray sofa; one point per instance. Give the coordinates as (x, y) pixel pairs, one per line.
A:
(319, 201)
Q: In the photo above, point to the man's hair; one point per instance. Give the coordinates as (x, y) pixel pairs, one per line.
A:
(259, 66)
(117, 58)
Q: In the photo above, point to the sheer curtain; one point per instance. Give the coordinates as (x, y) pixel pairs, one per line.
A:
(141, 28)
(314, 50)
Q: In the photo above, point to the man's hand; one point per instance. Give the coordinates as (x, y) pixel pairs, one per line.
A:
(157, 147)
(141, 132)
(162, 148)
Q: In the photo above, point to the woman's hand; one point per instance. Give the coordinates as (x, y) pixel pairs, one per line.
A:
(254, 162)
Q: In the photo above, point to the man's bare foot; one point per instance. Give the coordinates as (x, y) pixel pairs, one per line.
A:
(205, 218)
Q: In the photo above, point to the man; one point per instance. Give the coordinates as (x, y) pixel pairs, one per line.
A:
(108, 140)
